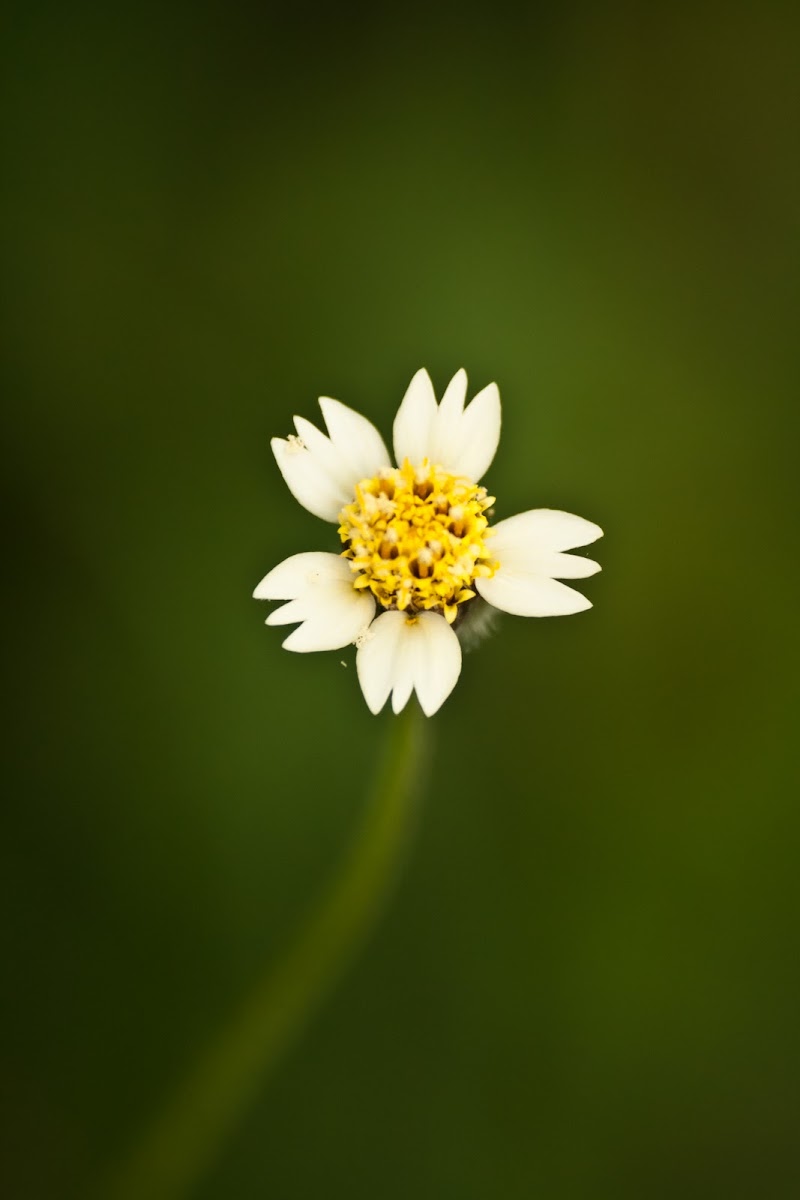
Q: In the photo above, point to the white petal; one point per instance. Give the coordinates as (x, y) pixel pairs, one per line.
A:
(289, 613)
(540, 530)
(530, 595)
(475, 445)
(320, 590)
(337, 616)
(518, 545)
(308, 481)
(414, 425)
(401, 654)
(405, 668)
(356, 439)
(296, 575)
(440, 664)
(322, 471)
(529, 548)
(571, 566)
(448, 420)
(327, 457)
(375, 659)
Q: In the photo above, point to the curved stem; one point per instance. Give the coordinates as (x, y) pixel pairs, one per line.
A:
(193, 1127)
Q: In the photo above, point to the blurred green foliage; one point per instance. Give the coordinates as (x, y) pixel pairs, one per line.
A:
(587, 985)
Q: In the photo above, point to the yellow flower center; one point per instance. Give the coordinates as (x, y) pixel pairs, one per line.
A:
(415, 536)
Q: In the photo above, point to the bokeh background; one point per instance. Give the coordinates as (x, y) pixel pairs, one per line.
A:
(587, 982)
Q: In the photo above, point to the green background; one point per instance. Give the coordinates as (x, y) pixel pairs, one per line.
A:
(587, 982)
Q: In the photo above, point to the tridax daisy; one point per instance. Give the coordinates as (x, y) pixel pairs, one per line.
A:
(416, 542)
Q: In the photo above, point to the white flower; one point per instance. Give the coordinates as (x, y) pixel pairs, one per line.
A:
(417, 543)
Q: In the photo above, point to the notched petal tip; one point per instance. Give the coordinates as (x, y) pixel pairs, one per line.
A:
(439, 664)
(458, 384)
(315, 484)
(527, 595)
(569, 566)
(589, 567)
(468, 439)
(594, 532)
(422, 376)
(355, 438)
(414, 425)
(402, 655)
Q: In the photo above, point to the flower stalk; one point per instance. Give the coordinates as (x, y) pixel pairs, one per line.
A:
(193, 1127)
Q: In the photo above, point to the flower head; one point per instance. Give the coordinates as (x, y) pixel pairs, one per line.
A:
(418, 547)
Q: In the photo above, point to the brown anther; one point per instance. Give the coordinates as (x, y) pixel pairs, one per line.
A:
(457, 523)
(421, 566)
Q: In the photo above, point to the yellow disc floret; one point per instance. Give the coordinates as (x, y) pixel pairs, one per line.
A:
(415, 536)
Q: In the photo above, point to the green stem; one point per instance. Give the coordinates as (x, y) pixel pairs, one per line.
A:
(192, 1129)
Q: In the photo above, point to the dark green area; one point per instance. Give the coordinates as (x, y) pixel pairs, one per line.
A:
(587, 985)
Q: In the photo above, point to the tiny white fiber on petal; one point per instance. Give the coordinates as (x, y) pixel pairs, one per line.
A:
(319, 588)
(478, 436)
(307, 480)
(531, 595)
(402, 654)
(414, 425)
